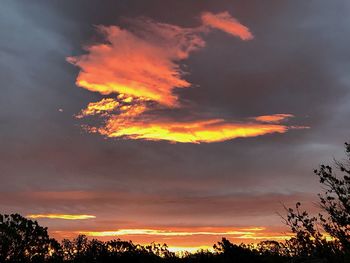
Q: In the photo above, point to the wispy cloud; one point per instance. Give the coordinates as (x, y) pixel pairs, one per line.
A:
(160, 232)
(274, 118)
(61, 216)
(142, 64)
(252, 233)
(225, 22)
(214, 130)
(142, 67)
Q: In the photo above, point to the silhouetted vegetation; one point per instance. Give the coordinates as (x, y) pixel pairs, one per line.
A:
(326, 236)
(23, 240)
(321, 238)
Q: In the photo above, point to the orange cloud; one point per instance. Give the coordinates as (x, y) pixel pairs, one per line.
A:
(275, 118)
(225, 22)
(160, 232)
(136, 64)
(62, 216)
(100, 107)
(145, 63)
(215, 130)
(141, 66)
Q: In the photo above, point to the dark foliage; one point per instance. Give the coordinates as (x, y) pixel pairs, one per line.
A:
(310, 241)
(23, 240)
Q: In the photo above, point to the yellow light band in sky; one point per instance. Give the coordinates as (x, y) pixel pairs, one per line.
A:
(62, 216)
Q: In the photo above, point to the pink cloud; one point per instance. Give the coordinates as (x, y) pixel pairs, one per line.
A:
(225, 22)
(142, 64)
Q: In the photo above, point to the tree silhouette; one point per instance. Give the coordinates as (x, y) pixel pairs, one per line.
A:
(230, 252)
(309, 240)
(23, 240)
(335, 201)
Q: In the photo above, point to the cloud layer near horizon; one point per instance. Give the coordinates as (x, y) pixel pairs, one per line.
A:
(119, 213)
(142, 65)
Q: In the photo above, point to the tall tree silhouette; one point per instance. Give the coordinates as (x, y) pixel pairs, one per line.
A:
(334, 219)
(335, 201)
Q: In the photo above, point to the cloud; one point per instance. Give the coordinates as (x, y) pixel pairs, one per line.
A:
(225, 22)
(136, 205)
(214, 130)
(101, 107)
(174, 218)
(142, 66)
(275, 118)
(161, 232)
(256, 233)
(61, 216)
(143, 62)
(130, 121)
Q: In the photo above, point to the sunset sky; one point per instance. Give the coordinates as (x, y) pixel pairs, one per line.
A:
(178, 122)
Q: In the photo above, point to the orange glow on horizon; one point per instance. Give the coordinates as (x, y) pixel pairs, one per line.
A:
(62, 216)
(181, 249)
(180, 240)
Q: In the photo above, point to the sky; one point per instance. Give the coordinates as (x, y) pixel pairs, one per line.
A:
(169, 121)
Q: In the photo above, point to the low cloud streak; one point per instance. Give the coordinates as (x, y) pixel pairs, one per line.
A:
(61, 216)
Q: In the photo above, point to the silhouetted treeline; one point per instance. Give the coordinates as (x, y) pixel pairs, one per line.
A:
(24, 240)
